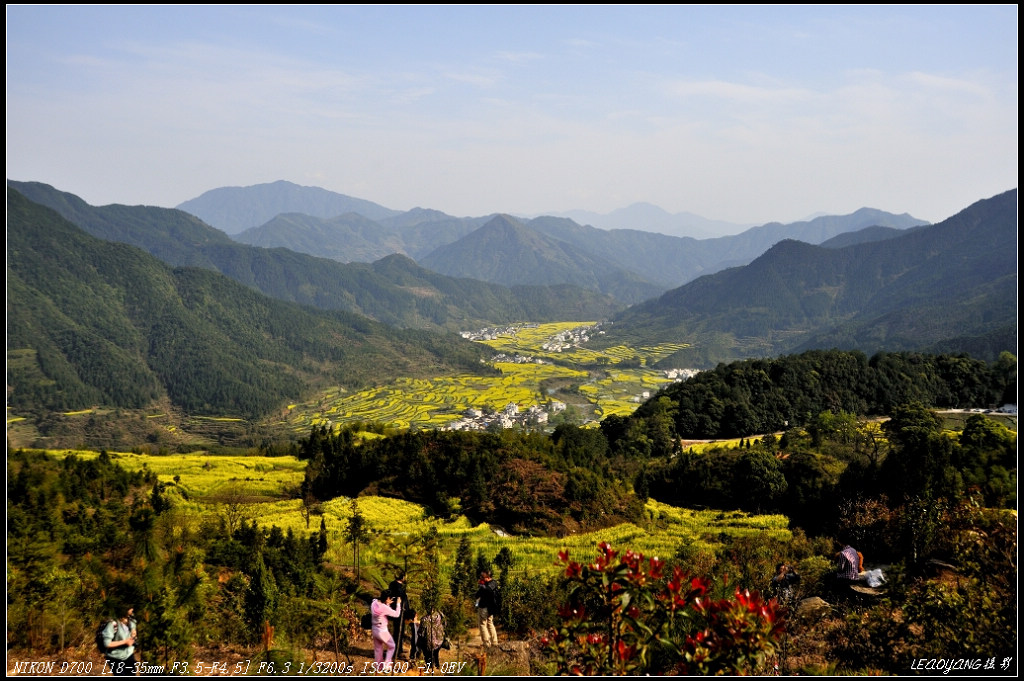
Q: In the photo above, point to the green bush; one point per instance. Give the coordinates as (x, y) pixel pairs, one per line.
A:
(625, 616)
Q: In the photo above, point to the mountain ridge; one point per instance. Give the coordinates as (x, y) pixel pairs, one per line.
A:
(453, 304)
(507, 252)
(909, 292)
(93, 322)
(235, 209)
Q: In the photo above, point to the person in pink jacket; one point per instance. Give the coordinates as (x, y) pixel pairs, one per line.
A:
(381, 610)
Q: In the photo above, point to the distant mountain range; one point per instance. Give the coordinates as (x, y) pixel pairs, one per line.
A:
(650, 218)
(945, 287)
(235, 209)
(507, 252)
(95, 322)
(354, 238)
(630, 264)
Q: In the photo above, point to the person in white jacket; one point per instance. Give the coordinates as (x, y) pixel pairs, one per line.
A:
(380, 611)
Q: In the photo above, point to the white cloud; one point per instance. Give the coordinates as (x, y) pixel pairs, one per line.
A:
(738, 92)
(518, 57)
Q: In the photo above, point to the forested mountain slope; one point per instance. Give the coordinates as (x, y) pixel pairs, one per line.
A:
(423, 300)
(507, 252)
(953, 280)
(92, 322)
(352, 237)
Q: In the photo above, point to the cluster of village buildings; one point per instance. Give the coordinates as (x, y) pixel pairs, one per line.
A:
(509, 417)
(680, 375)
(494, 332)
(571, 338)
(560, 341)
(518, 359)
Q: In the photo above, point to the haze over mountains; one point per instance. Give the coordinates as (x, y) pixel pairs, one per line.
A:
(650, 218)
(235, 209)
(630, 264)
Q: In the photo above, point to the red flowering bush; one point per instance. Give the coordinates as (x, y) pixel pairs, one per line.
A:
(623, 615)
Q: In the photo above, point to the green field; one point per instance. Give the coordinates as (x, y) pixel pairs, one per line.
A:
(596, 380)
(262, 489)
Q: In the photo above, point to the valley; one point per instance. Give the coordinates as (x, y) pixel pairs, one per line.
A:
(543, 367)
(284, 432)
(664, 340)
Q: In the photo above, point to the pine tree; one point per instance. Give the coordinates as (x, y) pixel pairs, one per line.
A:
(463, 577)
(356, 532)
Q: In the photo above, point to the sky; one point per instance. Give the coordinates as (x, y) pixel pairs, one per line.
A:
(736, 113)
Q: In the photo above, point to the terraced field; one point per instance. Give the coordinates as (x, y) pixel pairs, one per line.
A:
(595, 377)
(257, 488)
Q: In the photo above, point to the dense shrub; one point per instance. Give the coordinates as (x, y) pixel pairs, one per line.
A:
(623, 615)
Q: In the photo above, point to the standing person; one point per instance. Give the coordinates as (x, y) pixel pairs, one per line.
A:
(397, 589)
(487, 608)
(415, 633)
(432, 638)
(380, 611)
(119, 643)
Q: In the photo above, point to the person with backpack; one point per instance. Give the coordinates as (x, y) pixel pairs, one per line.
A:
(432, 638)
(487, 608)
(116, 641)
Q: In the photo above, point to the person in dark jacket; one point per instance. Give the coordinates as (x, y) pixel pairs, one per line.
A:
(783, 582)
(487, 608)
(397, 590)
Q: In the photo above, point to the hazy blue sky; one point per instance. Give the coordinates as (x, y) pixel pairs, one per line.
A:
(745, 114)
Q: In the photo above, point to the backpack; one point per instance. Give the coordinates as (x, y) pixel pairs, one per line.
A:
(434, 634)
(101, 645)
(366, 621)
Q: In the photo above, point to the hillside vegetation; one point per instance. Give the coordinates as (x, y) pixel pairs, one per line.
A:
(92, 322)
(393, 290)
(202, 573)
(950, 285)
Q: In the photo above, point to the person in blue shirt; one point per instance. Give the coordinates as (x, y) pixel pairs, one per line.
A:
(119, 638)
